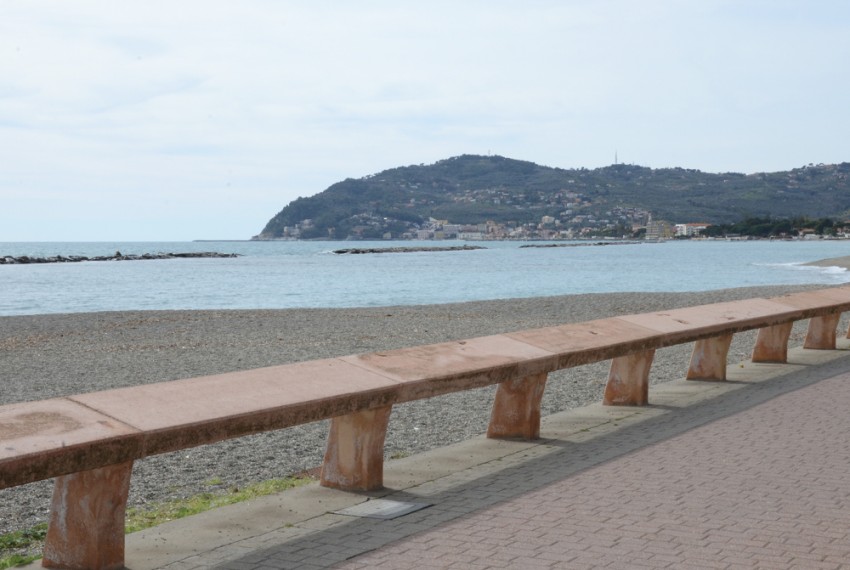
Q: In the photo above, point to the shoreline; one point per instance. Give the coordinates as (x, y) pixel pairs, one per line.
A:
(53, 355)
(842, 262)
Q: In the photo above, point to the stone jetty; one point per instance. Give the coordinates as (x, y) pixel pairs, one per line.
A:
(407, 249)
(596, 243)
(118, 256)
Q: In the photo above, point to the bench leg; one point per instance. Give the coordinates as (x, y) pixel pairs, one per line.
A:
(628, 380)
(821, 333)
(708, 361)
(772, 343)
(516, 409)
(354, 458)
(86, 528)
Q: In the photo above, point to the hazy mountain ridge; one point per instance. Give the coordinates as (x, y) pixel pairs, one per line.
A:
(472, 189)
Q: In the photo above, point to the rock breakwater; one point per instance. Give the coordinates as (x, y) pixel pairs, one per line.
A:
(596, 243)
(25, 259)
(357, 250)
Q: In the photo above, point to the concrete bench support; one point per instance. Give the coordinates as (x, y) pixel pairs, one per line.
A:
(86, 528)
(821, 333)
(354, 458)
(708, 361)
(628, 380)
(516, 409)
(772, 343)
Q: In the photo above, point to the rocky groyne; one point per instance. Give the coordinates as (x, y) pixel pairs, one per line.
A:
(596, 243)
(118, 256)
(358, 250)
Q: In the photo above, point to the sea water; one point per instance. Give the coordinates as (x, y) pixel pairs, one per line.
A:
(287, 274)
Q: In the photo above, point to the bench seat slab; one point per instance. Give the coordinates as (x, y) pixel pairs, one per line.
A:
(706, 321)
(431, 370)
(186, 413)
(592, 341)
(815, 303)
(56, 437)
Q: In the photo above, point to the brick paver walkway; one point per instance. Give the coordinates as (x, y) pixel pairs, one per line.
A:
(754, 478)
(767, 488)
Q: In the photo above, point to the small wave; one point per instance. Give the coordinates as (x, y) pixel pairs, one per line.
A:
(801, 265)
(834, 273)
(833, 270)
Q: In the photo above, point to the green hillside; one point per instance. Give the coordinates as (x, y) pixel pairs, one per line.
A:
(470, 189)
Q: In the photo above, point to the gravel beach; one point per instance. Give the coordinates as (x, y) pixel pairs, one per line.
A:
(47, 356)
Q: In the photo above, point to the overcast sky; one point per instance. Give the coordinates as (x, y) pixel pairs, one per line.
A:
(161, 120)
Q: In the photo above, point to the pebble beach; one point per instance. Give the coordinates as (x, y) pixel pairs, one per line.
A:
(45, 356)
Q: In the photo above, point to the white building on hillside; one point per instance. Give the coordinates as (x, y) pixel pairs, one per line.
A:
(690, 230)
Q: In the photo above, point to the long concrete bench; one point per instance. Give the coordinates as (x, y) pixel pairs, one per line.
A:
(90, 441)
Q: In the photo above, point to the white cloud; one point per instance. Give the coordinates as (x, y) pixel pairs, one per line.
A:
(226, 111)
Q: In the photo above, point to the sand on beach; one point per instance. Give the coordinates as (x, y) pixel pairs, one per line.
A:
(843, 262)
(46, 356)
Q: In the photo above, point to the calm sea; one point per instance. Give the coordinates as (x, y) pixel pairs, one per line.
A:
(307, 274)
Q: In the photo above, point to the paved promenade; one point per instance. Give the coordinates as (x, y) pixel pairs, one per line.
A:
(749, 473)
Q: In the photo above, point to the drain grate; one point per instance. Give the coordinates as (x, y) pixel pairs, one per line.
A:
(384, 509)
